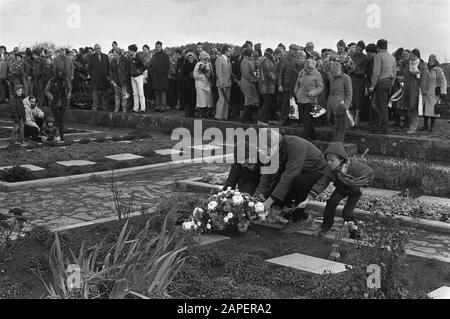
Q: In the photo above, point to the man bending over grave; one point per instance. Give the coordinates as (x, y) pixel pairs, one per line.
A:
(245, 173)
(301, 165)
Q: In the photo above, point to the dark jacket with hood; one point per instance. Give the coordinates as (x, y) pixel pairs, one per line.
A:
(348, 178)
(296, 157)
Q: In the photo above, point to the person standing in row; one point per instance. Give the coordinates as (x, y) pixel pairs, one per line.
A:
(267, 87)
(137, 69)
(120, 75)
(249, 82)
(188, 84)
(202, 76)
(98, 69)
(433, 85)
(308, 87)
(159, 68)
(223, 73)
(383, 78)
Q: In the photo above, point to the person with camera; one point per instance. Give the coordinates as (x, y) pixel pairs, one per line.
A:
(433, 85)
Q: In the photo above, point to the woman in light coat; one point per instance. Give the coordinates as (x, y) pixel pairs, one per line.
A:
(432, 78)
(202, 76)
(249, 84)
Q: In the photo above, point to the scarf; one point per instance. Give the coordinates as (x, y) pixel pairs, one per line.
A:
(414, 66)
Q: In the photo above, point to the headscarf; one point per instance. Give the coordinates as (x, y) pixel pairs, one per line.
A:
(311, 63)
(436, 63)
(337, 67)
(203, 56)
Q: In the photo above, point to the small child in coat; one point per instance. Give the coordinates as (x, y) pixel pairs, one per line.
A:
(348, 177)
(50, 132)
(17, 114)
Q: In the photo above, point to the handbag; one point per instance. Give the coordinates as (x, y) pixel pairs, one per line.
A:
(441, 108)
(437, 90)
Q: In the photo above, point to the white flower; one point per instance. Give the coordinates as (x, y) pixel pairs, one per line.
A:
(208, 226)
(259, 207)
(228, 189)
(199, 224)
(230, 215)
(251, 204)
(212, 205)
(186, 226)
(237, 200)
(262, 217)
(225, 219)
(224, 200)
(197, 211)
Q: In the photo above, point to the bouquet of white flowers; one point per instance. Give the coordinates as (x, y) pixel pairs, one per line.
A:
(229, 209)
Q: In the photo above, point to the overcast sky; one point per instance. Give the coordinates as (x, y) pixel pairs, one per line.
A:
(424, 24)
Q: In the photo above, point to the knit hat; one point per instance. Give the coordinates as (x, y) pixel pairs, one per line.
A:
(50, 119)
(18, 87)
(190, 53)
(311, 63)
(309, 45)
(269, 51)
(203, 55)
(337, 149)
(294, 47)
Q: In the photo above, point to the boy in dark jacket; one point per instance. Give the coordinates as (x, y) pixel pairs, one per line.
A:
(17, 114)
(348, 178)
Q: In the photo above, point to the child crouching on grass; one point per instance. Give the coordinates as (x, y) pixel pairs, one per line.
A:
(50, 132)
(17, 114)
(348, 177)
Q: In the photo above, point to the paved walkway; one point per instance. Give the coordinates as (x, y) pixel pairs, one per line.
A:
(72, 204)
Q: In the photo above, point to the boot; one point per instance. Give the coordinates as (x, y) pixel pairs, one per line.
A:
(425, 124)
(433, 120)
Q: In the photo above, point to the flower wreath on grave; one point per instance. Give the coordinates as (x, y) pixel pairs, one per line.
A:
(228, 210)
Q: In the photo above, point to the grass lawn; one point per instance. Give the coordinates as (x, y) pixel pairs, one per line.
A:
(46, 157)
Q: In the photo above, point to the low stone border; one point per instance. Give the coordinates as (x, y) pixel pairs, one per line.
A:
(317, 208)
(7, 187)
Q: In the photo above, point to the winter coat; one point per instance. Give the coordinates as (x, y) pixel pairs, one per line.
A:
(159, 68)
(4, 66)
(37, 67)
(48, 72)
(223, 71)
(348, 178)
(203, 86)
(429, 81)
(28, 67)
(412, 86)
(119, 72)
(289, 71)
(308, 83)
(340, 90)
(296, 157)
(58, 92)
(249, 82)
(268, 77)
(245, 179)
(50, 132)
(64, 63)
(99, 70)
(31, 113)
(137, 66)
(173, 68)
(16, 108)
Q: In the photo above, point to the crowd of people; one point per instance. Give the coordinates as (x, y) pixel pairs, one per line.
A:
(355, 83)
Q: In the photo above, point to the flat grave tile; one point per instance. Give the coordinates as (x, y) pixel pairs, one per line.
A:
(434, 200)
(167, 152)
(309, 264)
(124, 157)
(211, 239)
(441, 293)
(205, 147)
(76, 163)
(32, 168)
